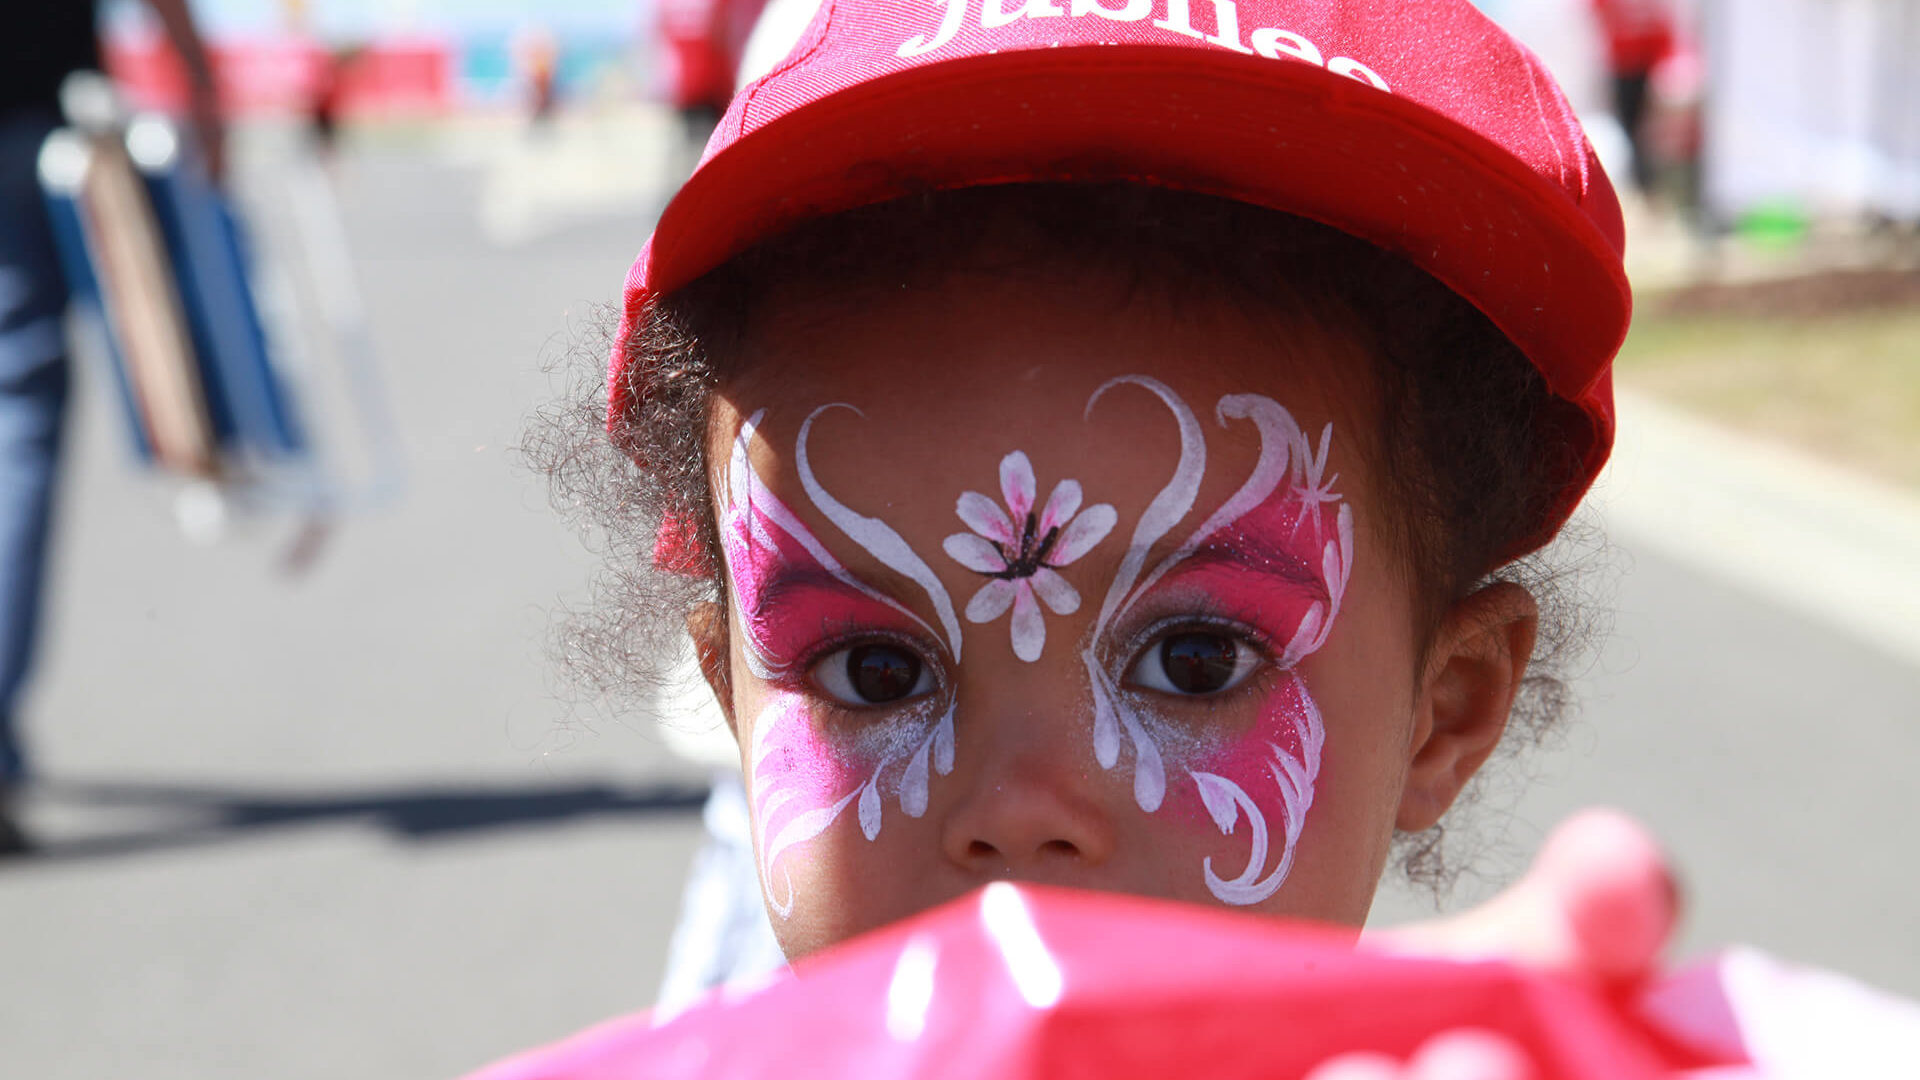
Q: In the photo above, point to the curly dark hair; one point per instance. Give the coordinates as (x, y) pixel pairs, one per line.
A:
(1473, 449)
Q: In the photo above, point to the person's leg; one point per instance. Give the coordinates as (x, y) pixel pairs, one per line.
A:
(33, 393)
(1630, 90)
(31, 409)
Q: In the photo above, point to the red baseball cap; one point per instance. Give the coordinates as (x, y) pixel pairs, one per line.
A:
(1417, 125)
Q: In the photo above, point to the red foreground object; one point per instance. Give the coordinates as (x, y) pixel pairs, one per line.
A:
(1016, 983)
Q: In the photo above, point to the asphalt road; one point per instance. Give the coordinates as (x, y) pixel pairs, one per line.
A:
(344, 825)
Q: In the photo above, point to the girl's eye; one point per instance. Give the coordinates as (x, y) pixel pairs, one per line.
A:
(1194, 664)
(877, 673)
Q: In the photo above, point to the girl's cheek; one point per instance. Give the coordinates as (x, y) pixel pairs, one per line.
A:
(798, 783)
(1286, 716)
(1254, 791)
(802, 779)
(791, 758)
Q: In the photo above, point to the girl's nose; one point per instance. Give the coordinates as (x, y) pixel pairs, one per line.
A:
(1028, 808)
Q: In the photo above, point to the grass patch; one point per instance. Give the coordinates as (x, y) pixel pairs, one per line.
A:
(1845, 385)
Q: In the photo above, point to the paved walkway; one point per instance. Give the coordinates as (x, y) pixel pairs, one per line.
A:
(1816, 539)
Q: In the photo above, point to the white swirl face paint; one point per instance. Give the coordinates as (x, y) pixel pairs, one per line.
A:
(784, 586)
(1270, 555)
(877, 537)
(1276, 556)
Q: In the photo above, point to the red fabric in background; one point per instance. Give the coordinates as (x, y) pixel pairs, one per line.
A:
(701, 44)
(1640, 33)
(285, 75)
(1030, 982)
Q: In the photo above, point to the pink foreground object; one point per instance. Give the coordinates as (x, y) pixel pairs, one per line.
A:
(1015, 982)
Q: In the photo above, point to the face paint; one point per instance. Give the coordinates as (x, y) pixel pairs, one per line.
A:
(802, 771)
(1161, 515)
(877, 537)
(1267, 557)
(801, 780)
(767, 546)
(1251, 555)
(1281, 755)
(1021, 549)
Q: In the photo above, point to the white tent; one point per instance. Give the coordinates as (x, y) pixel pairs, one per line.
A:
(1815, 103)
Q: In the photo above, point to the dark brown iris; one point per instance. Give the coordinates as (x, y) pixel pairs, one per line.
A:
(1198, 663)
(881, 673)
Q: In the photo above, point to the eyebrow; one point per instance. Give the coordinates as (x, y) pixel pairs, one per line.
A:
(786, 582)
(1255, 553)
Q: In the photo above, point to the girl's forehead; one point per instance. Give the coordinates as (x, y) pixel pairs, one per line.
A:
(939, 390)
(980, 360)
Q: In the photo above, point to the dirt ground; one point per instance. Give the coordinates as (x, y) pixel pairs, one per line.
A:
(1829, 363)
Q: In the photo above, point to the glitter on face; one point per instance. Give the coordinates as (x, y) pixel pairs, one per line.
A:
(1276, 557)
(1270, 553)
(802, 772)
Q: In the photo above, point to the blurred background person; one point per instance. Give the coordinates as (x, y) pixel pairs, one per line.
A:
(41, 43)
(701, 45)
(536, 56)
(1640, 35)
(326, 103)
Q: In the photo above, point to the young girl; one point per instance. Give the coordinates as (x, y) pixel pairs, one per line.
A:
(1101, 443)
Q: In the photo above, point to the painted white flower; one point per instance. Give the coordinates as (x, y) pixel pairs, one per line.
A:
(1020, 549)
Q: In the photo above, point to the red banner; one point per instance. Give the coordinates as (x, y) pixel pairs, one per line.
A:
(287, 74)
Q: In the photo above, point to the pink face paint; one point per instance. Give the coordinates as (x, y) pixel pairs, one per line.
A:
(1264, 776)
(1269, 558)
(877, 537)
(768, 545)
(788, 605)
(1262, 573)
(801, 778)
(792, 598)
(799, 786)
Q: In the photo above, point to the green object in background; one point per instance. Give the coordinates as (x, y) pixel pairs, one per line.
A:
(1775, 225)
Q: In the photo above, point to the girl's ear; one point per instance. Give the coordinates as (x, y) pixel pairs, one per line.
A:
(707, 626)
(1472, 673)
